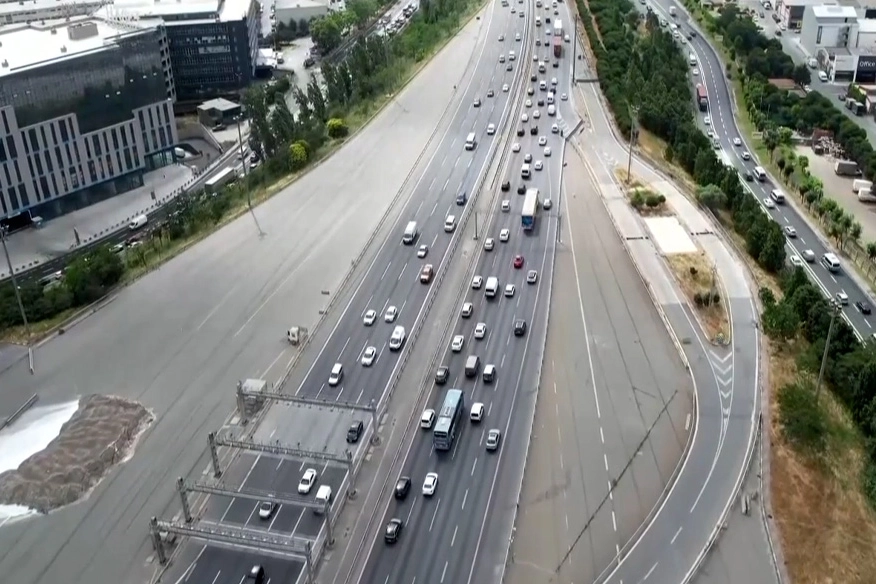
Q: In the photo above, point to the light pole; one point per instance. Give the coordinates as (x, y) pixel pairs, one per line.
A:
(4, 232)
(476, 226)
(834, 312)
(633, 135)
(245, 186)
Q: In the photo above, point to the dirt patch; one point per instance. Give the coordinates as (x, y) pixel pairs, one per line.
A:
(647, 202)
(98, 436)
(694, 272)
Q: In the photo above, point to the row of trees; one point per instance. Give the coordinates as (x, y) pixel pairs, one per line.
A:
(328, 31)
(645, 80)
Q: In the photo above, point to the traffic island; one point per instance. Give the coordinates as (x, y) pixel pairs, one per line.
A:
(698, 279)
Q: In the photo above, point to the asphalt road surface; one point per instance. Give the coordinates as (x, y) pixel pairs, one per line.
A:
(181, 338)
(723, 124)
(612, 409)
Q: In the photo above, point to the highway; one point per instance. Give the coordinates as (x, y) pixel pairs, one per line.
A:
(461, 533)
(179, 339)
(723, 124)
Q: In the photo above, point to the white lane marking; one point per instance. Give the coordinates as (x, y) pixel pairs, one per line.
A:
(443, 572)
(385, 270)
(434, 515)
(464, 498)
(677, 533)
(453, 539)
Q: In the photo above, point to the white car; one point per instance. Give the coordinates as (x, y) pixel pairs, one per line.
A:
(505, 235)
(506, 206)
(501, 38)
(768, 203)
(695, 72)
(390, 315)
(524, 118)
(531, 277)
(538, 165)
(467, 309)
(457, 343)
(517, 37)
(489, 243)
(547, 150)
(536, 114)
(808, 255)
(480, 330)
(477, 282)
(491, 129)
(527, 157)
(307, 481)
(746, 155)
(430, 485)
(369, 356)
(515, 147)
(842, 298)
(707, 120)
(555, 129)
(424, 249)
(796, 261)
(510, 290)
(528, 103)
(370, 317)
(542, 140)
(737, 141)
(554, 81)
(266, 509)
(505, 88)
(790, 231)
(564, 97)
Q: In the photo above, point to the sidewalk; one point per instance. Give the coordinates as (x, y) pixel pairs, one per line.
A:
(55, 238)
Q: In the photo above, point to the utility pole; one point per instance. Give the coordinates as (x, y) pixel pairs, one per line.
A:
(633, 135)
(246, 188)
(834, 312)
(574, 46)
(476, 225)
(4, 232)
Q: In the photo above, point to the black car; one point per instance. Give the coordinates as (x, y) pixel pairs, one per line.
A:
(537, 42)
(506, 186)
(863, 307)
(461, 198)
(520, 131)
(534, 130)
(393, 530)
(748, 176)
(402, 487)
(354, 432)
(533, 77)
(556, 64)
(541, 103)
(442, 375)
(521, 190)
(256, 574)
(510, 67)
(519, 327)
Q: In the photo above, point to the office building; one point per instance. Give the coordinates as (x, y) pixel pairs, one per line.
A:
(85, 110)
(842, 41)
(213, 43)
(17, 11)
(299, 10)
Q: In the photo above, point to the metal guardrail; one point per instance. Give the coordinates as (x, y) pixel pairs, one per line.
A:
(20, 411)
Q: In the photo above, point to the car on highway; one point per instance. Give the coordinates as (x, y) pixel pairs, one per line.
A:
(308, 479)
(477, 282)
(256, 575)
(808, 255)
(527, 157)
(790, 231)
(538, 165)
(489, 244)
(477, 101)
(796, 261)
(536, 114)
(547, 150)
(746, 155)
(737, 141)
(842, 298)
(542, 140)
(427, 419)
(391, 314)
(547, 204)
(564, 97)
(506, 205)
(504, 235)
(337, 373)
(531, 277)
(768, 203)
(519, 327)
(515, 147)
(430, 484)
(354, 432)
(402, 487)
(467, 310)
(521, 190)
(517, 35)
(505, 88)
(530, 91)
(480, 330)
(494, 436)
(509, 290)
(518, 262)
(524, 117)
(423, 251)
(266, 509)
(370, 317)
(555, 129)
(457, 343)
(393, 530)
(520, 131)
(707, 120)
(490, 93)
(506, 186)
(863, 307)
(528, 103)
(501, 38)
(533, 131)
(368, 356)
(695, 72)
(426, 273)
(462, 198)
(441, 375)
(477, 412)
(491, 129)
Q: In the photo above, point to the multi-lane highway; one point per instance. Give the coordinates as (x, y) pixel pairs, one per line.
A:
(723, 124)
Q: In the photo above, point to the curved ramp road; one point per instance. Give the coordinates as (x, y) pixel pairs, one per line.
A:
(723, 124)
(181, 338)
(670, 545)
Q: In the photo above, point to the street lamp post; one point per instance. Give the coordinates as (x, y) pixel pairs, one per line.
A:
(4, 232)
(834, 312)
(633, 135)
(245, 186)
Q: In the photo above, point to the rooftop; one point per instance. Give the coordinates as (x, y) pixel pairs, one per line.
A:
(866, 25)
(26, 46)
(286, 4)
(40, 5)
(833, 11)
(221, 104)
(226, 10)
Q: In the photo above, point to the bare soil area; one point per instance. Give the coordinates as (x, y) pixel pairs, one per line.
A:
(98, 436)
(694, 273)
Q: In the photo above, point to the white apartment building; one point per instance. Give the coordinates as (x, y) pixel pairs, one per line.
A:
(85, 110)
(16, 11)
(842, 40)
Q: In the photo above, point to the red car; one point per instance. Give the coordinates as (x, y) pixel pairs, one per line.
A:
(518, 261)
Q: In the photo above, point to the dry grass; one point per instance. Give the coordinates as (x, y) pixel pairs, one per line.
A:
(17, 334)
(694, 273)
(632, 185)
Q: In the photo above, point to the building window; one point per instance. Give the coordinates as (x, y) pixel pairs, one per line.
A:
(39, 164)
(44, 183)
(10, 144)
(6, 128)
(54, 135)
(25, 200)
(124, 133)
(63, 127)
(55, 190)
(128, 164)
(115, 139)
(3, 156)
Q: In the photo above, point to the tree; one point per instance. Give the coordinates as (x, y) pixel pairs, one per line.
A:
(316, 99)
(337, 128)
(712, 197)
(780, 321)
(361, 11)
(326, 32)
(298, 156)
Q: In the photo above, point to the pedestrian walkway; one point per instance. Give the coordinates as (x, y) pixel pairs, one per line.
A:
(31, 247)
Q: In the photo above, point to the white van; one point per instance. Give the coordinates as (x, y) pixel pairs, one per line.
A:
(550, 97)
(822, 76)
(450, 223)
(427, 419)
(777, 196)
(525, 171)
(324, 497)
(397, 339)
(552, 110)
(492, 286)
(410, 233)
(831, 262)
(470, 141)
(336, 375)
(138, 222)
(477, 412)
(760, 173)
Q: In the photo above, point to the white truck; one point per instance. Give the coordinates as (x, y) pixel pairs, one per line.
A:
(860, 184)
(672, 11)
(558, 27)
(138, 222)
(492, 287)
(866, 196)
(410, 234)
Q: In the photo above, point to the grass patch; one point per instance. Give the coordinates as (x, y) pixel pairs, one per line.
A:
(18, 335)
(694, 273)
